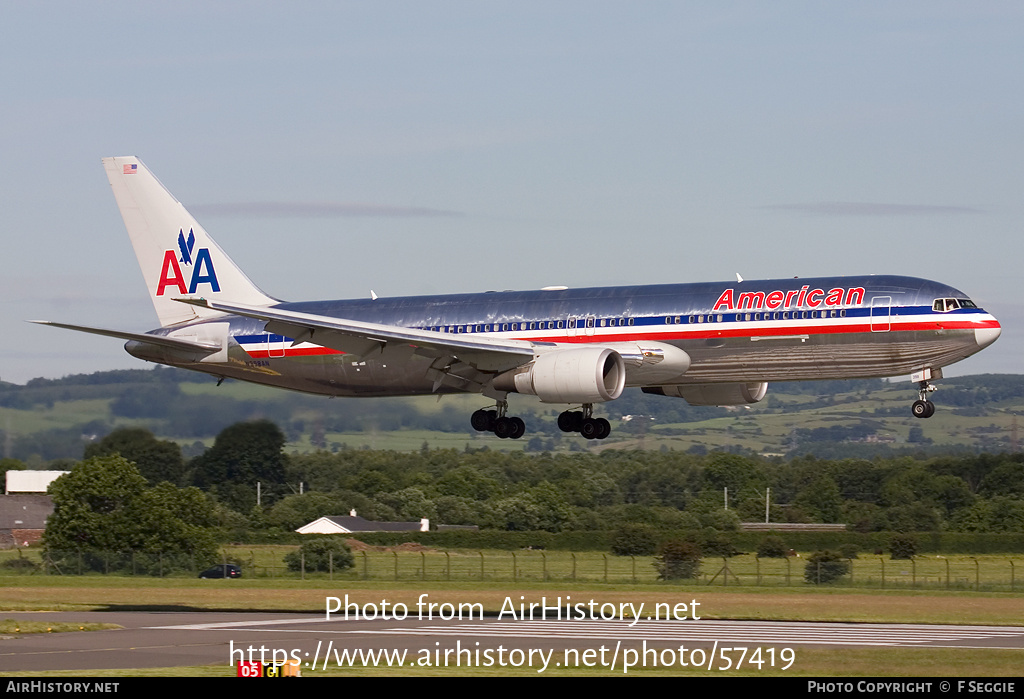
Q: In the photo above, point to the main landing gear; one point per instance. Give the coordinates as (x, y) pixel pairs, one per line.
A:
(496, 421)
(585, 423)
(923, 407)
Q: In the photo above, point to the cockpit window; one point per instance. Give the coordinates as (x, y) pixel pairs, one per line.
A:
(944, 305)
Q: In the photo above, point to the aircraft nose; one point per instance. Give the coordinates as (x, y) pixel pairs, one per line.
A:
(986, 336)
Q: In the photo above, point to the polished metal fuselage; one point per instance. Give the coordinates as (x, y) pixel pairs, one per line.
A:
(772, 330)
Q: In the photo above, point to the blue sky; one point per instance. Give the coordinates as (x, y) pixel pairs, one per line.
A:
(422, 147)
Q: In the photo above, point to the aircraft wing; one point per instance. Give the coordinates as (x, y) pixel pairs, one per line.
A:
(362, 339)
(158, 340)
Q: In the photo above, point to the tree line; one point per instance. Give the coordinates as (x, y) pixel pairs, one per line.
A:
(561, 492)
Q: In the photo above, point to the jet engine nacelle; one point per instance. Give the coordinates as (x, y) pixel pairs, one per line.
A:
(714, 393)
(584, 375)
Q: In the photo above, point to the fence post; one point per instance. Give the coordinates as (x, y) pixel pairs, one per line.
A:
(913, 572)
(482, 565)
(605, 555)
(977, 575)
(573, 554)
(882, 559)
(1011, 574)
(396, 563)
(757, 563)
(947, 573)
(448, 565)
(544, 564)
(366, 566)
(330, 565)
(423, 565)
(633, 559)
(302, 564)
(515, 571)
(789, 566)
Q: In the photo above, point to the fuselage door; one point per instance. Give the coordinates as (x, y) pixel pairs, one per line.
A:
(881, 309)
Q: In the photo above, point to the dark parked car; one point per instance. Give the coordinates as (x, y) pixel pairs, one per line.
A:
(224, 570)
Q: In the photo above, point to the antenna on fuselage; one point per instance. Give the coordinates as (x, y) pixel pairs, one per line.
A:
(738, 278)
(373, 295)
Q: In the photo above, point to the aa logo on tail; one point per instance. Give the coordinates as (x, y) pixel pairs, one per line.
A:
(202, 267)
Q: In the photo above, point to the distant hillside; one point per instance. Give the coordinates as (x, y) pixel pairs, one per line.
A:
(50, 419)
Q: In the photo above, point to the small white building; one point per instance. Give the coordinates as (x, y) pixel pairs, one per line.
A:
(354, 524)
(19, 482)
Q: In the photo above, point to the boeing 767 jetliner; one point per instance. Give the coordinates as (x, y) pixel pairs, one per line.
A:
(714, 343)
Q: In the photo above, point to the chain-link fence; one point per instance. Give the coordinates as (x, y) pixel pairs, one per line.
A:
(982, 573)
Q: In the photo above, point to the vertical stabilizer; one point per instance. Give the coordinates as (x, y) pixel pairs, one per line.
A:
(177, 256)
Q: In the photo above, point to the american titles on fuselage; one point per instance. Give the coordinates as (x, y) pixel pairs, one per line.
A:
(805, 297)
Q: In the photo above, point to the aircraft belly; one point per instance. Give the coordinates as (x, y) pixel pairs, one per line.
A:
(331, 374)
(859, 355)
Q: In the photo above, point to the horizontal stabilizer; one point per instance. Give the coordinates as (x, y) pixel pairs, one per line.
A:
(158, 340)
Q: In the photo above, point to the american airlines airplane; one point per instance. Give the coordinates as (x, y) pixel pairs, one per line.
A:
(715, 343)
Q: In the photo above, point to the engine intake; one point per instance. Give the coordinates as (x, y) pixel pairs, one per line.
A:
(584, 375)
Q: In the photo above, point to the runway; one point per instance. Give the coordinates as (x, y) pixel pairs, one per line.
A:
(169, 639)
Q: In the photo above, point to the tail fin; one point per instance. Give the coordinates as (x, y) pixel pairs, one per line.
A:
(177, 256)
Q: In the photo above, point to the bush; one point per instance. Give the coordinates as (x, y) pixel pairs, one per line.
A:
(772, 547)
(902, 546)
(718, 545)
(825, 567)
(21, 564)
(678, 560)
(635, 540)
(320, 553)
(849, 550)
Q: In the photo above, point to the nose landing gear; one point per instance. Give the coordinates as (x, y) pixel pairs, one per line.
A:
(923, 407)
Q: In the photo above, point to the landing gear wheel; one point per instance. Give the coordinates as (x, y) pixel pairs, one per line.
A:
(570, 421)
(604, 428)
(590, 428)
(503, 428)
(482, 420)
(923, 408)
(518, 427)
